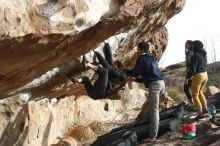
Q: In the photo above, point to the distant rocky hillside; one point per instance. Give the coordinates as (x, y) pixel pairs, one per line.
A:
(175, 75)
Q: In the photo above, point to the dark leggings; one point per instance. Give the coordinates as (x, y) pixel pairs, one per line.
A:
(107, 61)
(108, 53)
(187, 88)
(98, 90)
(103, 61)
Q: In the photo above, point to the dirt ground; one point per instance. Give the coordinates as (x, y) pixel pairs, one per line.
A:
(207, 134)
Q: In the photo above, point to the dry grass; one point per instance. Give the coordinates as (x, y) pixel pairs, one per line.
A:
(90, 131)
(177, 95)
(81, 133)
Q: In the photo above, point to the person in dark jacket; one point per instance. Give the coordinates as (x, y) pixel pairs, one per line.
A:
(198, 73)
(189, 54)
(146, 67)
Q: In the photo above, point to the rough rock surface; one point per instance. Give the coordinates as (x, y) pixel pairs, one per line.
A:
(211, 90)
(42, 122)
(25, 56)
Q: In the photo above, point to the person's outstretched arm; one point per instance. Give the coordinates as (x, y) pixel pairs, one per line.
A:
(136, 70)
(121, 76)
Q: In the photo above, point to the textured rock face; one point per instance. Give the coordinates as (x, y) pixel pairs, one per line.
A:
(41, 123)
(21, 17)
(211, 90)
(83, 24)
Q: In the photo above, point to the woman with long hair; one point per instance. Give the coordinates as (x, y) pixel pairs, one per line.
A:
(198, 73)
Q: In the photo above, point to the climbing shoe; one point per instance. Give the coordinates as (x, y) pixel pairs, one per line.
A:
(204, 111)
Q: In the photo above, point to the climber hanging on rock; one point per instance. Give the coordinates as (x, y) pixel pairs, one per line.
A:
(115, 69)
(110, 73)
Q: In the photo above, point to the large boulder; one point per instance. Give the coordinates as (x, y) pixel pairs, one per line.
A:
(41, 122)
(211, 90)
(37, 36)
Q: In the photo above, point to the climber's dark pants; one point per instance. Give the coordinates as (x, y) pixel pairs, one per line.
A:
(107, 61)
(187, 88)
(98, 90)
(103, 61)
(108, 54)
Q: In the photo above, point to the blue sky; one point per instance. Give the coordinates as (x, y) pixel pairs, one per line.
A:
(199, 20)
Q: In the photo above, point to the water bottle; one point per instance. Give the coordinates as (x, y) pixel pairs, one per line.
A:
(212, 110)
